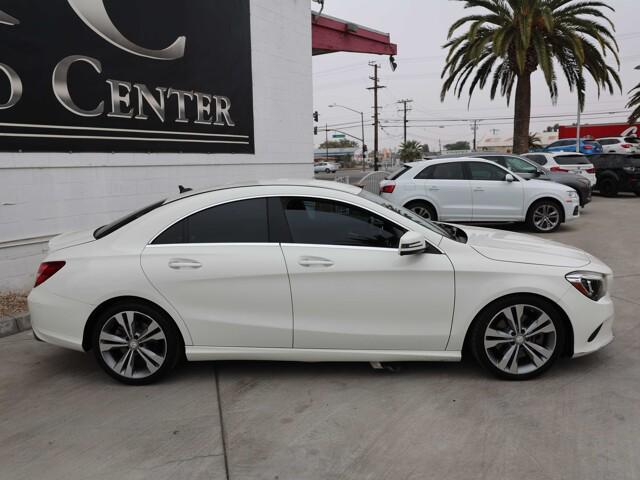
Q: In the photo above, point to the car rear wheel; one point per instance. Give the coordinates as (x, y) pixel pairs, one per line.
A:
(518, 338)
(135, 344)
(544, 217)
(608, 187)
(424, 210)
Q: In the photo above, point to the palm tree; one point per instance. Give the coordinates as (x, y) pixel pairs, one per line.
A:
(411, 150)
(534, 142)
(512, 39)
(634, 103)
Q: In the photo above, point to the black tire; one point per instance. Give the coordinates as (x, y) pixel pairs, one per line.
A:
(487, 356)
(555, 219)
(423, 209)
(327, 170)
(608, 187)
(168, 349)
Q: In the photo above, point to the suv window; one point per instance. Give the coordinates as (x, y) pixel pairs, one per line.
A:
(398, 173)
(539, 159)
(326, 222)
(608, 141)
(442, 171)
(244, 221)
(518, 165)
(571, 160)
(634, 140)
(486, 171)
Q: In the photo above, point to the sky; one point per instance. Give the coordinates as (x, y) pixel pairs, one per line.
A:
(419, 27)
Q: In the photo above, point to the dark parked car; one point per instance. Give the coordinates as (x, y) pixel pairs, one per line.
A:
(528, 169)
(617, 172)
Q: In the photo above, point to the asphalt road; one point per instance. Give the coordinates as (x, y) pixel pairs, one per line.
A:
(62, 418)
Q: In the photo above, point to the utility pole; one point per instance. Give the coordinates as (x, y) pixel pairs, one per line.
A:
(406, 110)
(326, 142)
(376, 112)
(578, 126)
(474, 127)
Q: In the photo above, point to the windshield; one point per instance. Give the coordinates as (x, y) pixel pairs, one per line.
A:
(121, 222)
(434, 227)
(571, 160)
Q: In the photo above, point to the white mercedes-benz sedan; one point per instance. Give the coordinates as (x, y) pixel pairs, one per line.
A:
(314, 271)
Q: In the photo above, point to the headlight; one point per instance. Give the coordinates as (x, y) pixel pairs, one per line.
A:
(572, 194)
(591, 284)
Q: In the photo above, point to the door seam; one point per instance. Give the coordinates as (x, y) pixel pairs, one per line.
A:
(293, 315)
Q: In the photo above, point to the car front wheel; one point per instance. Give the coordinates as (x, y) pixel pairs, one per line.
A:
(135, 344)
(518, 338)
(544, 217)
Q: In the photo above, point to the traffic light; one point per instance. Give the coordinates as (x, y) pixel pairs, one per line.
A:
(315, 130)
(316, 116)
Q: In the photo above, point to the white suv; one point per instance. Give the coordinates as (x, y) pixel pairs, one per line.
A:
(620, 144)
(575, 163)
(475, 190)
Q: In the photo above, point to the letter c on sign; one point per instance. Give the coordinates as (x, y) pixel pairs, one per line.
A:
(14, 83)
(61, 86)
(95, 15)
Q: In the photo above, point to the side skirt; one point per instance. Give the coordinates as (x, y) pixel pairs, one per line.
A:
(196, 354)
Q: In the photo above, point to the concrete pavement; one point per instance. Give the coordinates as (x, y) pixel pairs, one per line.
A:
(62, 418)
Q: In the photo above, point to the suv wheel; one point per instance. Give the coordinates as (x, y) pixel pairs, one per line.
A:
(518, 338)
(608, 187)
(544, 217)
(423, 209)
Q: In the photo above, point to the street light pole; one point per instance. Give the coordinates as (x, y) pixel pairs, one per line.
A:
(364, 147)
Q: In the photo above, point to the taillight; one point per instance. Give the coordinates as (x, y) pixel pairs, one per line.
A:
(558, 169)
(591, 170)
(388, 188)
(588, 147)
(626, 145)
(46, 271)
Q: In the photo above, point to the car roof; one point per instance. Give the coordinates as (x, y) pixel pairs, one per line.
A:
(439, 160)
(296, 182)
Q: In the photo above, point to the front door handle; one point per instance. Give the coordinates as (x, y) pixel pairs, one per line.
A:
(184, 264)
(315, 262)
(478, 189)
(434, 189)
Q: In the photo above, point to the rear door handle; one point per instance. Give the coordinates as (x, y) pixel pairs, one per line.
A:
(184, 264)
(315, 262)
(434, 189)
(478, 189)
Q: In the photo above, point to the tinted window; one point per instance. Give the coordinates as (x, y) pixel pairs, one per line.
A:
(632, 140)
(238, 222)
(571, 160)
(443, 171)
(539, 159)
(608, 142)
(121, 222)
(518, 165)
(325, 222)
(399, 173)
(486, 171)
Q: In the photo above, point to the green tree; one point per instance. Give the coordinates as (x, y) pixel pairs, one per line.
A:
(511, 39)
(411, 150)
(534, 142)
(460, 145)
(634, 103)
(344, 143)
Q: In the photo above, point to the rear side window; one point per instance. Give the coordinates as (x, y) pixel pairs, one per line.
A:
(121, 222)
(608, 141)
(326, 222)
(571, 160)
(237, 222)
(442, 171)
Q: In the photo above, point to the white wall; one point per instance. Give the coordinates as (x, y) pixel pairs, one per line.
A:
(42, 195)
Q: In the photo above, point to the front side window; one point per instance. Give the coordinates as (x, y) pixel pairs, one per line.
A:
(244, 221)
(326, 222)
(486, 172)
(442, 171)
(518, 165)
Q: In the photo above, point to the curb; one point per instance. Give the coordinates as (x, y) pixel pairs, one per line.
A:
(10, 325)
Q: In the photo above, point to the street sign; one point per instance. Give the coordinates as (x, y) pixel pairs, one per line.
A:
(339, 135)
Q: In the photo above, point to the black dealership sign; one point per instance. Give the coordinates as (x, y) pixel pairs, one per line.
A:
(126, 76)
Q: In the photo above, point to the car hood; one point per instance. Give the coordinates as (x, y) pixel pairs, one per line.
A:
(71, 239)
(504, 246)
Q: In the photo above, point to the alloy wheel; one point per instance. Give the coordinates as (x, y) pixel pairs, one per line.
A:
(421, 211)
(133, 345)
(546, 217)
(520, 339)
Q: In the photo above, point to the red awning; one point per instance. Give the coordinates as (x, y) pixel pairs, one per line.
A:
(335, 35)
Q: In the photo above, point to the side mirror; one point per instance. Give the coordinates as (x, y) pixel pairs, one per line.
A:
(509, 178)
(412, 243)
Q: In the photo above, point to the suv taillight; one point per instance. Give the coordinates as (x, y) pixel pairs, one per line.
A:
(388, 188)
(558, 169)
(626, 145)
(588, 147)
(46, 271)
(591, 170)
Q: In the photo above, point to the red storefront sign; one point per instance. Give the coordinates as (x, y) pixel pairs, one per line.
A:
(600, 131)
